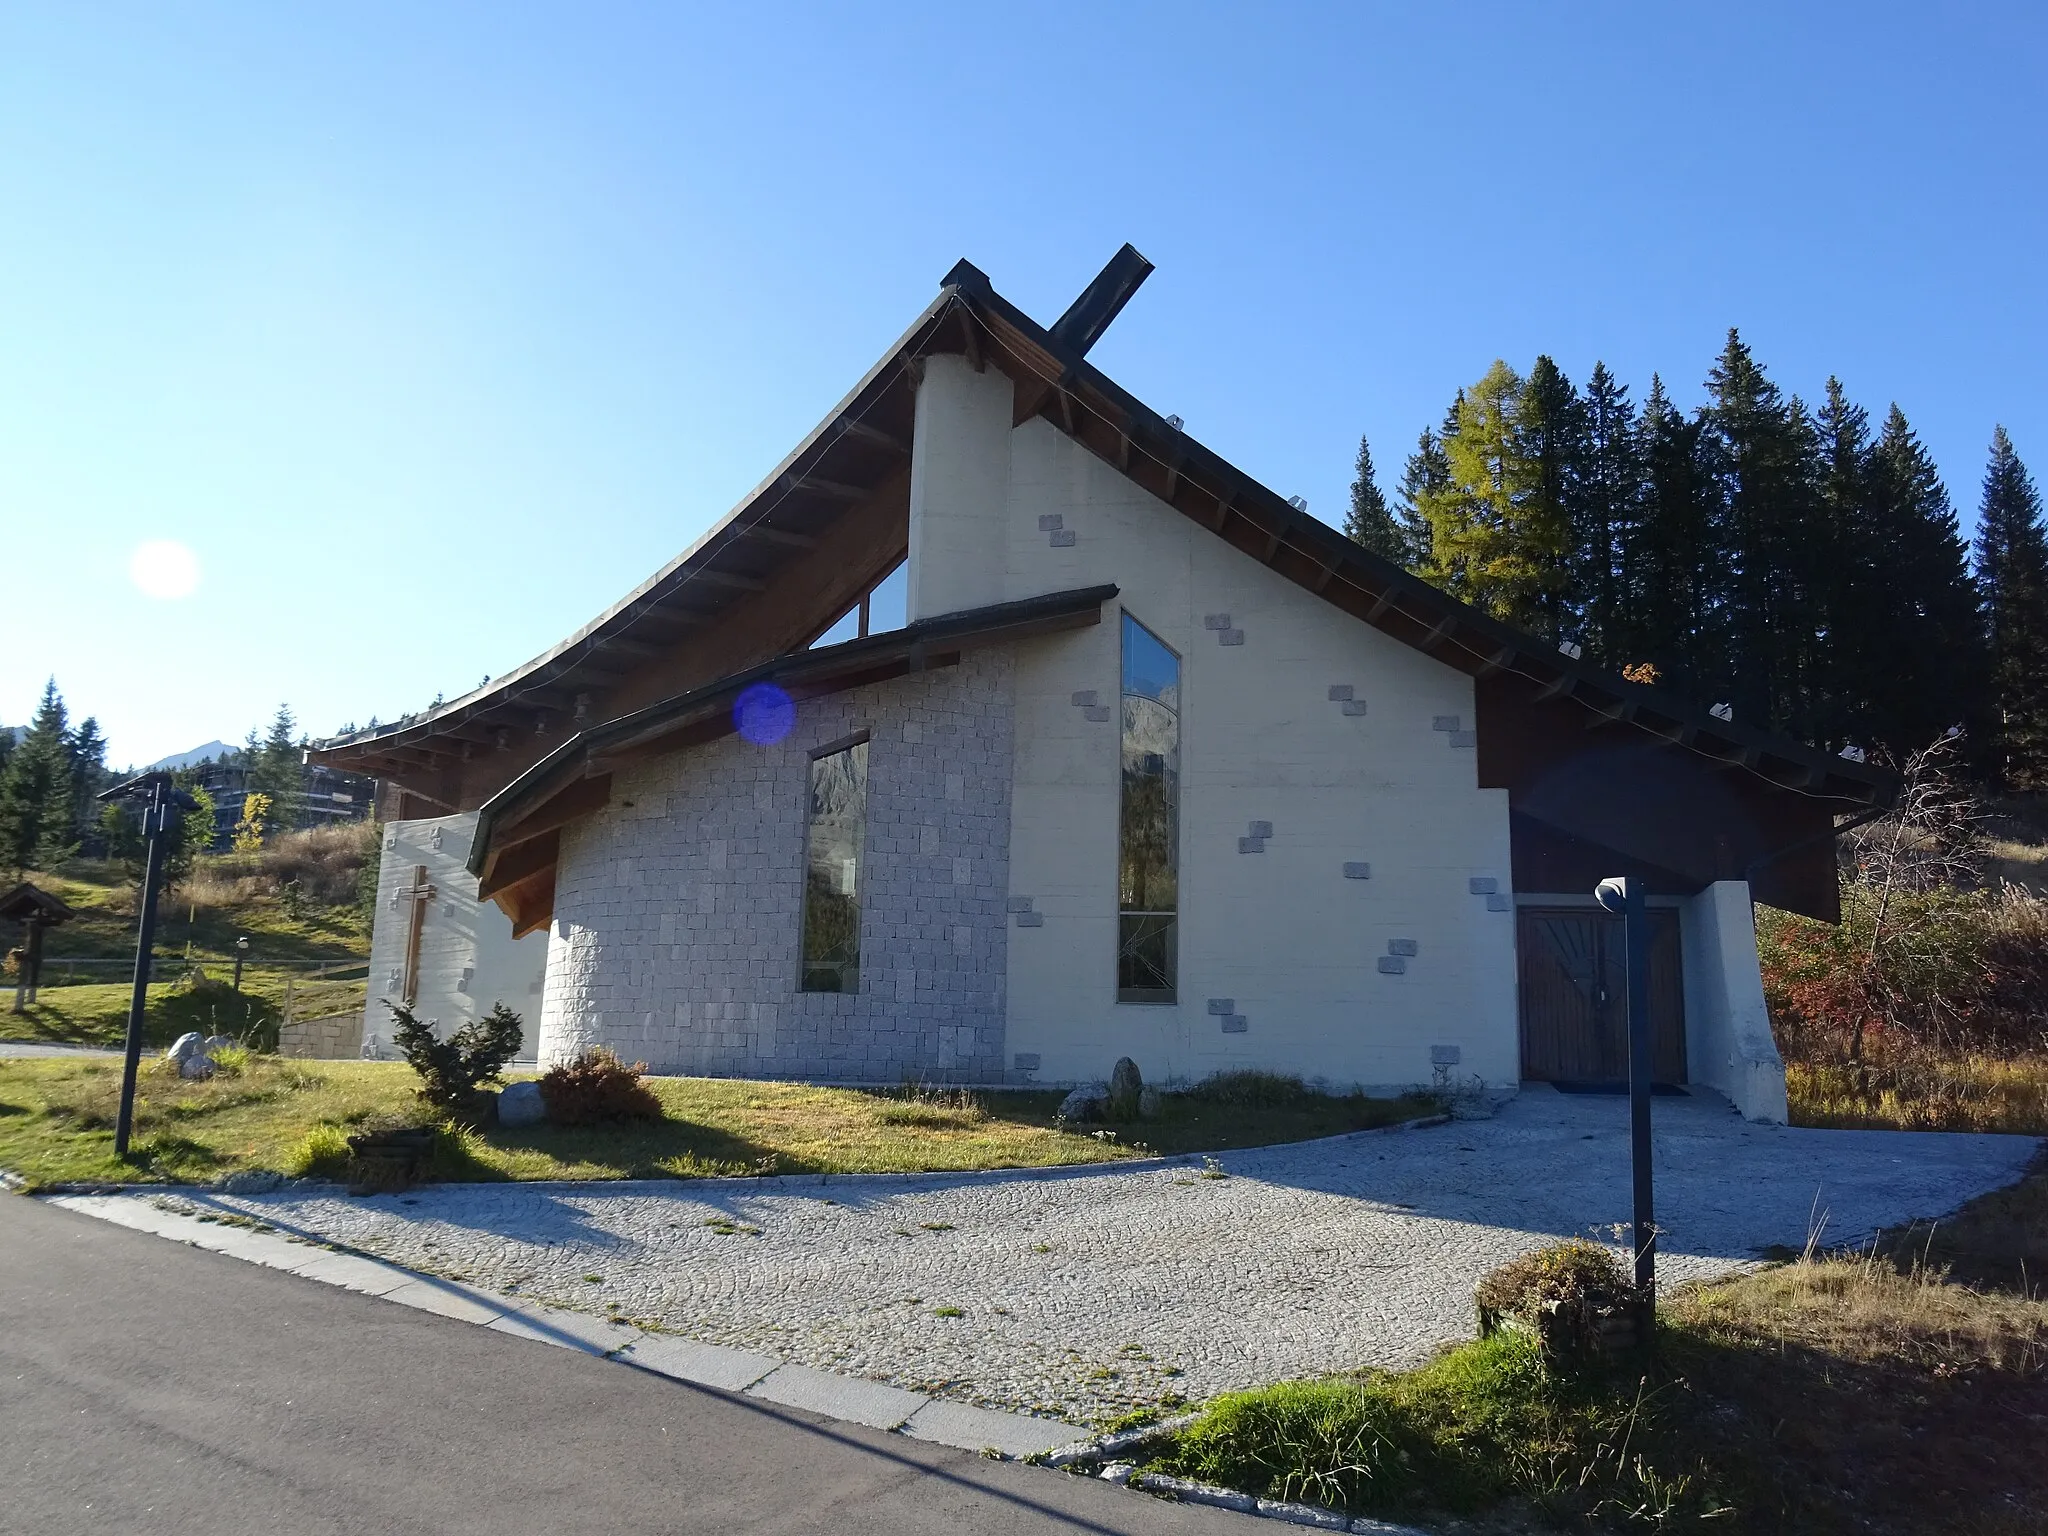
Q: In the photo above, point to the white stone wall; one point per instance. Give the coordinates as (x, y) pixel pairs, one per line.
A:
(675, 936)
(468, 957)
(1288, 960)
(1728, 1041)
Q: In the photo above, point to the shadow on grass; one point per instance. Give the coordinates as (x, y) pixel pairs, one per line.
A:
(1716, 1428)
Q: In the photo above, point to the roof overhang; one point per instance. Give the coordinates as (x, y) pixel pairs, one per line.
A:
(517, 836)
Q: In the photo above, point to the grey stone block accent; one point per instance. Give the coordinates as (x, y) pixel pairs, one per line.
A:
(1482, 885)
(1499, 903)
(1235, 1024)
(1392, 965)
(1215, 621)
(1030, 919)
(1260, 829)
(1358, 870)
(1251, 845)
(1464, 738)
(1445, 1055)
(1230, 637)
(1026, 1061)
(1098, 714)
(1063, 539)
(1340, 691)
(1087, 698)
(1051, 522)
(1444, 723)
(1403, 947)
(1223, 1005)
(1019, 904)
(1354, 706)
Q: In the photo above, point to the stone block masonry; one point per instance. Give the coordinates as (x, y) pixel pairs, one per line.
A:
(678, 908)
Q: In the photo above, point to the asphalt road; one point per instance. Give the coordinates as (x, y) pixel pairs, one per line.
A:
(150, 1387)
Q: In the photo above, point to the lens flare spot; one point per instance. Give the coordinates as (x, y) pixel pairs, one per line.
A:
(164, 569)
(764, 714)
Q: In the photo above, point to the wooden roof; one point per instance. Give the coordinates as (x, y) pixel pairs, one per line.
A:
(864, 445)
(26, 901)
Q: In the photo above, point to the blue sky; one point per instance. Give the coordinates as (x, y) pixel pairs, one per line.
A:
(433, 329)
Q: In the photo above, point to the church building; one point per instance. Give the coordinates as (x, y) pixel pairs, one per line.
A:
(1150, 763)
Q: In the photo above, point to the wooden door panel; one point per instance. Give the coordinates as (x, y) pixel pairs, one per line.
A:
(1572, 967)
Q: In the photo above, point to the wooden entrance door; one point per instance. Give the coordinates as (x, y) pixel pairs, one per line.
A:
(1574, 995)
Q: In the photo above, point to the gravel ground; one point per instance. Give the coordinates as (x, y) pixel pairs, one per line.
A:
(1082, 1294)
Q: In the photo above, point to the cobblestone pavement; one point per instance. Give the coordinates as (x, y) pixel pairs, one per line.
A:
(1082, 1294)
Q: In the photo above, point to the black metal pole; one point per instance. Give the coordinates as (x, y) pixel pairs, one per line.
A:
(1627, 898)
(155, 820)
(1641, 1064)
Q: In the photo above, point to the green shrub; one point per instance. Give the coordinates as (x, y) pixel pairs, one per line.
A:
(322, 1153)
(1250, 1089)
(597, 1087)
(453, 1070)
(1563, 1274)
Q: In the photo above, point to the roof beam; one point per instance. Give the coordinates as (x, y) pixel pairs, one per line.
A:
(730, 579)
(1498, 661)
(782, 536)
(1559, 687)
(1439, 632)
(818, 486)
(861, 431)
(518, 861)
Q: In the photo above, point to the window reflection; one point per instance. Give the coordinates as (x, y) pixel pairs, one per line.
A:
(1148, 878)
(838, 829)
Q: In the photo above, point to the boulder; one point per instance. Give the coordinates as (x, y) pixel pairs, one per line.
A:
(1085, 1103)
(188, 1051)
(220, 1043)
(1148, 1104)
(521, 1104)
(1125, 1085)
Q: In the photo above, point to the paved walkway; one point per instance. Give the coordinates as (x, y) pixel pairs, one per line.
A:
(1078, 1294)
(25, 1048)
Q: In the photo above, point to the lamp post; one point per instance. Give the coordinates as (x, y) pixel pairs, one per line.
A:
(160, 798)
(241, 949)
(1625, 898)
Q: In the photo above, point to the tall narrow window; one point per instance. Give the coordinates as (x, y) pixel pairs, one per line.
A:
(838, 829)
(1148, 864)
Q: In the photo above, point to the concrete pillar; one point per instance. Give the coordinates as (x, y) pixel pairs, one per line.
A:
(1728, 1042)
(959, 487)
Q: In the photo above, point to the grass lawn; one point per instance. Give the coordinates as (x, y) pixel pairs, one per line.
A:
(1847, 1393)
(56, 1125)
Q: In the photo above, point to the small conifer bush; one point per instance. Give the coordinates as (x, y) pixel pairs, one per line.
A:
(453, 1070)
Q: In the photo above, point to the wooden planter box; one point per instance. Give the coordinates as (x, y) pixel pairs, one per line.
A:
(383, 1161)
(1602, 1323)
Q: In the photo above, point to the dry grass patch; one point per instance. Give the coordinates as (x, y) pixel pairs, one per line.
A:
(1906, 1090)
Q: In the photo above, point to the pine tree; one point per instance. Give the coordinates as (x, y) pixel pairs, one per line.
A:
(35, 794)
(1926, 638)
(276, 769)
(1760, 451)
(1370, 523)
(1845, 599)
(1607, 502)
(2012, 573)
(88, 751)
(1672, 601)
(1550, 428)
(1426, 473)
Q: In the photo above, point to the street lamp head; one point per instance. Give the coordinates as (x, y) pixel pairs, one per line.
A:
(242, 941)
(1612, 895)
